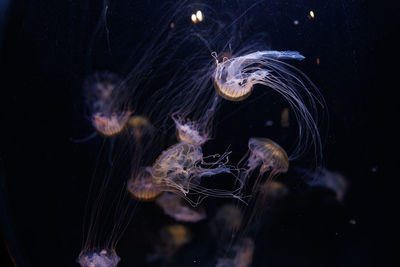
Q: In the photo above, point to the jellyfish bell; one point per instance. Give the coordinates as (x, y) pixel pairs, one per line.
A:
(268, 154)
(142, 186)
(96, 258)
(107, 102)
(174, 206)
(110, 125)
(190, 132)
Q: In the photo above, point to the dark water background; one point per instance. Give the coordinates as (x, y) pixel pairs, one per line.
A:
(45, 177)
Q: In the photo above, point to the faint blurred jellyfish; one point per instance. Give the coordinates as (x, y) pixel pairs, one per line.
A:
(107, 103)
(100, 258)
(242, 255)
(171, 239)
(331, 180)
(225, 224)
(235, 78)
(139, 126)
(179, 169)
(142, 186)
(174, 206)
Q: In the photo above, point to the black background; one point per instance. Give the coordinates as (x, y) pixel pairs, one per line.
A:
(46, 176)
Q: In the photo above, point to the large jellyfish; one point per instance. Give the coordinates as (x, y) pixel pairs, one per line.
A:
(179, 169)
(234, 79)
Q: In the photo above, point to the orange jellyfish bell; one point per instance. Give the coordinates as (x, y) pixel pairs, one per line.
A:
(272, 156)
(142, 186)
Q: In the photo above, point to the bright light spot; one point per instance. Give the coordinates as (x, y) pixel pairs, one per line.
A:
(194, 18)
(318, 61)
(312, 15)
(295, 22)
(199, 15)
(172, 25)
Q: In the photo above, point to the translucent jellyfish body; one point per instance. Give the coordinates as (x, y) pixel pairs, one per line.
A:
(190, 132)
(174, 206)
(179, 169)
(98, 258)
(171, 239)
(268, 155)
(106, 102)
(139, 126)
(242, 255)
(110, 125)
(142, 186)
(234, 78)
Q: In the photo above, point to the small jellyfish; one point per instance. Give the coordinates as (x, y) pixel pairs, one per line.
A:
(242, 255)
(110, 125)
(107, 103)
(98, 258)
(268, 155)
(139, 126)
(190, 132)
(180, 168)
(171, 239)
(142, 186)
(174, 206)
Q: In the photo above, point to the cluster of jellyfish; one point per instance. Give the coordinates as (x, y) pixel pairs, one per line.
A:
(163, 131)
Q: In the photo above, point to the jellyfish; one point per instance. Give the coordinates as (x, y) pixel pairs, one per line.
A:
(139, 126)
(190, 132)
(234, 80)
(174, 206)
(98, 258)
(107, 103)
(179, 169)
(242, 255)
(268, 155)
(330, 180)
(171, 239)
(225, 224)
(142, 186)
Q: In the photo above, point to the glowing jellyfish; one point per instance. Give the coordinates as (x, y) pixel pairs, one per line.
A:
(190, 132)
(174, 206)
(268, 155)
(107, 103)
(242, 255)
(98, 258)
(142, 186)
(179, 169)
(235, 78)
